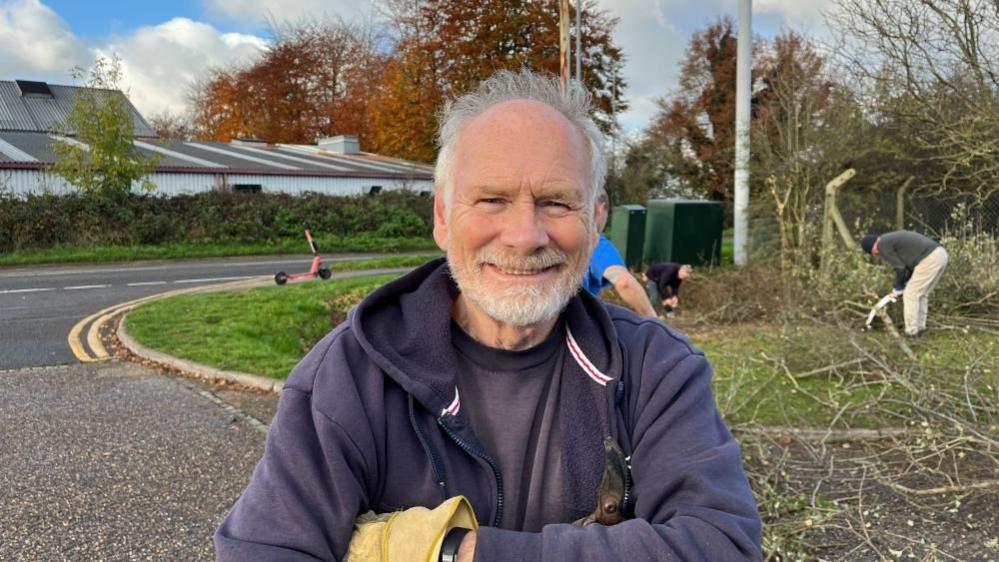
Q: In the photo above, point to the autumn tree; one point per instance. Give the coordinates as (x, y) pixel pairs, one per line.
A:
(314, 80)
(95, 152)
(696, 125)
(447, 47)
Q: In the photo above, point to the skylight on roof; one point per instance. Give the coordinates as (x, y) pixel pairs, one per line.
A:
(29, 88)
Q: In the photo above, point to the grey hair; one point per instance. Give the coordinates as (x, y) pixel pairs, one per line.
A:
(505, 86)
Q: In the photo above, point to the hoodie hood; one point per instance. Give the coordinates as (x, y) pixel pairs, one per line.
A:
(405, 327)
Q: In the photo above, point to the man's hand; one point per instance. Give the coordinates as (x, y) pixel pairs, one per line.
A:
(466, 552)
(672, 301)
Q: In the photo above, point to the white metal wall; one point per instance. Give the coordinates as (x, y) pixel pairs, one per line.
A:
(22, 182)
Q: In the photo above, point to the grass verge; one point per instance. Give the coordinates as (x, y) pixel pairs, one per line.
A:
(264, 331)
(327, 245)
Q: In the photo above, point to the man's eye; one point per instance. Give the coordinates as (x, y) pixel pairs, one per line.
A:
(560, 205)
(491, 201)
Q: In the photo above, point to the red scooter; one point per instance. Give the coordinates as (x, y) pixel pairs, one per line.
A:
(317, 269)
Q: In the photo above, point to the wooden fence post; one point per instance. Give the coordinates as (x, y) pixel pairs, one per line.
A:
(831, 216)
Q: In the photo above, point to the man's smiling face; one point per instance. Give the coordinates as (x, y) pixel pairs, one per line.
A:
(519, 229)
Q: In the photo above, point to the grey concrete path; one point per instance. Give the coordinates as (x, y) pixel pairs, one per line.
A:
(115, 461)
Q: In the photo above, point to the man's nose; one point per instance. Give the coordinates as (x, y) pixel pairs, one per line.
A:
(524, 230)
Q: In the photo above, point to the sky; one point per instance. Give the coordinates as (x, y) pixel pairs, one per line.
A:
(166, 45)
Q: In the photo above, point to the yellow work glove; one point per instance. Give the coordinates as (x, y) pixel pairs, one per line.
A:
(413, 535)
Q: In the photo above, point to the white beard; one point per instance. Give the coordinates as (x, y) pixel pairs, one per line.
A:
(519, 305)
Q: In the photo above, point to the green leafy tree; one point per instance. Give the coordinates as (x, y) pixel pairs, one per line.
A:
(96, 153)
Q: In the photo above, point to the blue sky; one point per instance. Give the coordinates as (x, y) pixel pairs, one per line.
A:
(101, 19)
(166, 46)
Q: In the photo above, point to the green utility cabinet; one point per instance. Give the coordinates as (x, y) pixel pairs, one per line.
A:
(628, 233)
(683, 231)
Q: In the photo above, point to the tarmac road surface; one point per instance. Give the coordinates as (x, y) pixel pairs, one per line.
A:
(114, 461)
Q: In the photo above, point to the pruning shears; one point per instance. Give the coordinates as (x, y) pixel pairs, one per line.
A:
(885, 301)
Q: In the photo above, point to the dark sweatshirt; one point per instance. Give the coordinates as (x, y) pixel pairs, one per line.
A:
(903, 250)
(667, 278)
(371, 420)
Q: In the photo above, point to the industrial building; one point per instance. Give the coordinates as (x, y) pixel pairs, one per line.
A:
(31, 114)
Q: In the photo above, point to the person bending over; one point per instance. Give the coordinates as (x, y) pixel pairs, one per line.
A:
(662, 281)
(919, 262)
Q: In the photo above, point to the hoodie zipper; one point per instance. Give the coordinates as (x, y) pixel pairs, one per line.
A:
(617, 406)
(492, 464)
(435, 463)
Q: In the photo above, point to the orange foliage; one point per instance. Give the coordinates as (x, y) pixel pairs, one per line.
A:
(449, 46)
(314, 81)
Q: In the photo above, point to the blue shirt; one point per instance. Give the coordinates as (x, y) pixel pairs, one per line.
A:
(604, 256)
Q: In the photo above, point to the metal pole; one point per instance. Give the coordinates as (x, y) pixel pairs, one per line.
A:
(579, 40)
(743, 91)
(563, 43)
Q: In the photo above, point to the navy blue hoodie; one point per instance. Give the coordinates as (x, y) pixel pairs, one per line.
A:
(371, 420)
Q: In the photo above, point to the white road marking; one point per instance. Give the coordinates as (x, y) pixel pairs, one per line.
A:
(210, 279)
(35, 290)
(305, 258)
(145, 283)
(82, 287)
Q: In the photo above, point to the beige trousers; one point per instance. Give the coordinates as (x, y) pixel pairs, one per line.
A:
(917, 291)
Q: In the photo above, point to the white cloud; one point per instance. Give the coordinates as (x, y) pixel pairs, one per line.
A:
(260, 11)
(653, 47)
(796, 13)
(35, 42)
(654, 36)
(160, 62)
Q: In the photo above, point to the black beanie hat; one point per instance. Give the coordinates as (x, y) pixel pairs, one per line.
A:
(867, 242)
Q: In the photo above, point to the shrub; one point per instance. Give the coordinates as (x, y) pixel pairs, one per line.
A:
(45, 221)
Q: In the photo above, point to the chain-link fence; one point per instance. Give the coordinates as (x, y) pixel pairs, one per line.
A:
(930, 213)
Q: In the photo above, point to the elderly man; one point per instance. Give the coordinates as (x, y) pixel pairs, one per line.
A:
(919, 262)
(491, 376)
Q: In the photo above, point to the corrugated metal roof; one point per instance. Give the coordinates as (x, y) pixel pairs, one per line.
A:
(41, 113)
(292, 160)
(13, 114)
(14, 154)
(35, 144)
(355, 162)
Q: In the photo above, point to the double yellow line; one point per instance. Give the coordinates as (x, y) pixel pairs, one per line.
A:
(97, 320)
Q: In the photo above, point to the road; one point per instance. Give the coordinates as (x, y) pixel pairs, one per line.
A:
(40, 304)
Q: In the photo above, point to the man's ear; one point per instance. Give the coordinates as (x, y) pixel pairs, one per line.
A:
(440, 219)
(599, 219)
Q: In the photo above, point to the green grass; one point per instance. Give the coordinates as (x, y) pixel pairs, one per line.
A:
(264, 331)
(386, 262)
(728, 251)
(755, 368)
(327, 245)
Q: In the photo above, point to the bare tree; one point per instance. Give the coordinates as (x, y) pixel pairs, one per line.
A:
(169, 125)
(933, 68)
